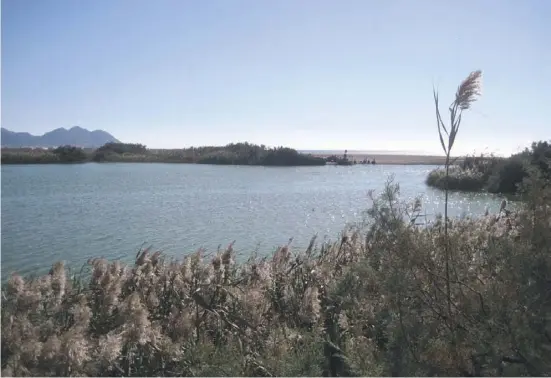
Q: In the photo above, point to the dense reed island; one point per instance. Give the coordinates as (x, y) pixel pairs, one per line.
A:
(231, 154)
(494, 174)
(459, 297)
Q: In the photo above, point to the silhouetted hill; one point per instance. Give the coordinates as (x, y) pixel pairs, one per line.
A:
(75, 136)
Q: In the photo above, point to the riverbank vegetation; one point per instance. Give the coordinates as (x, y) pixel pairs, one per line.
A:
(231, 154)
(60, 155)
(373, 303)
(494, 174)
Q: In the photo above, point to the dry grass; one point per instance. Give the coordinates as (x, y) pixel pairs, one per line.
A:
(469, 90)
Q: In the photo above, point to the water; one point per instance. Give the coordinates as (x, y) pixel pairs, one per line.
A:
(76, 212)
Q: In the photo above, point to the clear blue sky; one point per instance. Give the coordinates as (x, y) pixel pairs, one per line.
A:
(310, 74)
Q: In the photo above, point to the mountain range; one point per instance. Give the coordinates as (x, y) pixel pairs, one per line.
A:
(75, 136)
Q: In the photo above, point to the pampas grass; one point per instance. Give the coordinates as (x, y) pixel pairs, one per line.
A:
(466, 94)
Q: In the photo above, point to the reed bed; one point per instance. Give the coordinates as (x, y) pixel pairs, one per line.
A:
(459, 179)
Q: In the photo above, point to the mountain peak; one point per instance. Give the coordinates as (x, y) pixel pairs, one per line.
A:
(75, 136)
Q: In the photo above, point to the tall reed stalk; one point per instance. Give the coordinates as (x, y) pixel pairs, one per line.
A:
(466, 94)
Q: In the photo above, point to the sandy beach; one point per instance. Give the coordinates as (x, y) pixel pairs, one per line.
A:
(396, 159)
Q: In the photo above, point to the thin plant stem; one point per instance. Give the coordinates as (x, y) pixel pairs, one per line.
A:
(466, 93)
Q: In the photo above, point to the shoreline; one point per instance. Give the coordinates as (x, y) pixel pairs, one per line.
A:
(226, 155)
(379, 159)
(395, 159)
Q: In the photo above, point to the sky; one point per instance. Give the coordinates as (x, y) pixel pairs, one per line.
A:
(307, 74)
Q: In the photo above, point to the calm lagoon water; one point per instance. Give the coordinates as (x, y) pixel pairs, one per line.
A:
(76, 212)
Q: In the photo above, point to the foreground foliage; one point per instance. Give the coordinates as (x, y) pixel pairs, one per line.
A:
(375, 303)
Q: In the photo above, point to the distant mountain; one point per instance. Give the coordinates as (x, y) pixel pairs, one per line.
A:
(75, 136)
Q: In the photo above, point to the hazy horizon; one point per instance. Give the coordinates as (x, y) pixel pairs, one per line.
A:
(319, 151)
(311, 75)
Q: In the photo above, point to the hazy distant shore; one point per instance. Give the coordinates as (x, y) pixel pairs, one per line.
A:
(232, 154)
(393, 159)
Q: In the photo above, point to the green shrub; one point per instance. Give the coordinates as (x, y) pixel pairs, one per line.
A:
(508, 176)
(70, 154)
(231, 154)
(29, 157)
(492, 174)
(541, 157)
(122, 148)
(62, 154)
(468, 180)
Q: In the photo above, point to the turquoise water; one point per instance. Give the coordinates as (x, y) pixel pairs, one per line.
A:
(76, 212)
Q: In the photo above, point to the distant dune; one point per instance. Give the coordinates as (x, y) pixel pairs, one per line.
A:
(364, 152)
(387, 157)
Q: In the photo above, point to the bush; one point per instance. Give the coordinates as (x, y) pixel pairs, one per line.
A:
(287, 156)
(508, 176)
(541, 157)
(250, 154)
(231, 154)
(125, 152)
(234, 154)
(492, 174)
(460, 179)
(122, 148)
(63, 154)
(70, 154)
(28, 156)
